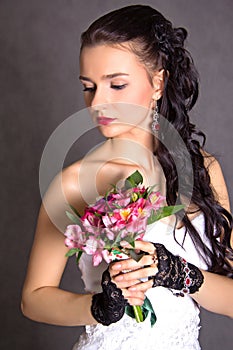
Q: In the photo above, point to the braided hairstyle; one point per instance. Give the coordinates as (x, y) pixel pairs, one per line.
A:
(158, 45)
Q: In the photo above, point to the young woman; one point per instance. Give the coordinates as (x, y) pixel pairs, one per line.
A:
(136, 75)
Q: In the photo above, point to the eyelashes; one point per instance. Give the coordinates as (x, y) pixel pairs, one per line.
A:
(113, 86)
(89, 89)
(118, 87)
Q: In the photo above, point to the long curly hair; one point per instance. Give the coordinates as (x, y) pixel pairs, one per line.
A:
(158, 45)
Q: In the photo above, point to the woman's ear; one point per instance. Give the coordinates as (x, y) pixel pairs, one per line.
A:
(158, 84)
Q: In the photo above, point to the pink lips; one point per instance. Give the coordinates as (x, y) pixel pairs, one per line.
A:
(105, 120)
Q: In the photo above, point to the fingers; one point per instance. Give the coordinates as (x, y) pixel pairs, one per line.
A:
(134, 297)
(129, 272)
(123, 265)
(125, 284)
(136, 294)
(140, 245)
(142, 287)
(133, 276)
(136, 275)
(131, 264)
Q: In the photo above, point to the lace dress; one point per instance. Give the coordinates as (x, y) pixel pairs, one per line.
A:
(177, 325)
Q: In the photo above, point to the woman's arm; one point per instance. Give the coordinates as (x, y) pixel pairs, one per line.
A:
(217, 180)
(215, 294)
(218, 183)
(42, 299)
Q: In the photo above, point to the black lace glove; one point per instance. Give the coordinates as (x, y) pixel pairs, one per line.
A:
(109, 306)
(176, 273)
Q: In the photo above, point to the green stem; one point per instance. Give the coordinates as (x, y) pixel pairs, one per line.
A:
(138, 313)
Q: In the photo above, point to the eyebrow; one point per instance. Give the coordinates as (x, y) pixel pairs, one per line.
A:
(107, 76)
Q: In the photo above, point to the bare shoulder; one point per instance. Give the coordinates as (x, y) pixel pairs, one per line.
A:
(69, 177)
(70, 180)
(61, 194)
(217, 179)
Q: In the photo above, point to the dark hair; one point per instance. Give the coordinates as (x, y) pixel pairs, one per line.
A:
(159, 45)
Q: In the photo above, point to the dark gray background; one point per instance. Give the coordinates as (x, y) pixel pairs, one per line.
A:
(39, 42)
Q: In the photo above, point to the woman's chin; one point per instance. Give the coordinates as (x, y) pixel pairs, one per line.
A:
(114, 130)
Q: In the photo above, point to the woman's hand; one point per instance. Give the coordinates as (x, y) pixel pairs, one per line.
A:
(109, 306)
(135, 283)
(158, 267)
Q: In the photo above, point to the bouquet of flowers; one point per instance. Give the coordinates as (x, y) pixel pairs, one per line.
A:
(122, 214)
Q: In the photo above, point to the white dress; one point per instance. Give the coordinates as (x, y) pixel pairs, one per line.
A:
(177, 325)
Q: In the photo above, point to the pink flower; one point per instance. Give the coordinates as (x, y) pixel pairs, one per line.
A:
(91, 218)
(140, 190)
(99, 206)
(140, 237)
(105, 254)
(123, 202)
(92, 230)
(110, 234)
(97, 258)
(94, 247)
(156, 199)
(70, 243)
(75, 238)
(121, 199)
(138, 225)
(124, 213)
(109, 220)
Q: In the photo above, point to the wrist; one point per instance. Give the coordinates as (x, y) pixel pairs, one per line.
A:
(109, 306)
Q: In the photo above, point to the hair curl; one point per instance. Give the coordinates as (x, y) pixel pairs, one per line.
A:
(160, 46)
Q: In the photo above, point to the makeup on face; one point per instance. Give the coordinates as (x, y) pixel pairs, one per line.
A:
(117, 89)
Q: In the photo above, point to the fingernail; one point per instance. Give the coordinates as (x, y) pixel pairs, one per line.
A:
(116, 266)
(119, 278)
(132, 288)
(124, 243)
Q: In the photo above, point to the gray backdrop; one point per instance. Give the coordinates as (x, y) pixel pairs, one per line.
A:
(39, 42)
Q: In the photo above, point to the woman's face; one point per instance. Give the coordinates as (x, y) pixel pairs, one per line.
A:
(117, 89)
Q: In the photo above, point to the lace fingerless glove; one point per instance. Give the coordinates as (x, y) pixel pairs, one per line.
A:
(109, 306)
(176, 273)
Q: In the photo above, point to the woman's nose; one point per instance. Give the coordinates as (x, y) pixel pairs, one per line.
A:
(99, 97)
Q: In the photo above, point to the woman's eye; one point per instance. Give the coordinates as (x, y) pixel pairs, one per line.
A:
(89, 89)
(118, 87)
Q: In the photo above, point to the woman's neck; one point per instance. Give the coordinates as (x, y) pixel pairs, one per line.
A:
(130, 151)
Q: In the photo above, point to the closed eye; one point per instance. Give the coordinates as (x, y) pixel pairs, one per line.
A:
(89, 89)
(118, 87)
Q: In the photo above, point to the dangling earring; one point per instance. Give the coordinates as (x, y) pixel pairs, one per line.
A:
(155, 116)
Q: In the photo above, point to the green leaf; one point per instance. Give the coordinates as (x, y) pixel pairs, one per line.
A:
(163, 212)
(134, 180)
(169, 210)
(75, 219)
(150, 189)
(154, 216)
(134, 255)
(79, 256)
(129, 311)
(75, 210)
(140, 313)
(147, 305)
(153, 319)
(130, 240)
(148, 308)
(117, 239)
(72, 251)
(135, 312)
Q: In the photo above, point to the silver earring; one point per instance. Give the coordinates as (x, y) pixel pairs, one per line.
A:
(155, 117)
